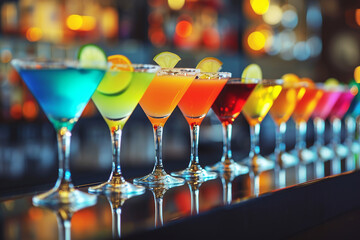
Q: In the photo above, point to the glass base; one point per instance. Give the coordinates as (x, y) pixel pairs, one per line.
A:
(258, 163)
(325, 153)
(341, 150)
(124, 188)
(159, 178)
(72, 197)
(228, 167)
(287, 160)
(195, 173)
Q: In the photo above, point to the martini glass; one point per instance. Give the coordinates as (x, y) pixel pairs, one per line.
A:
(281, 110)
(336, 114)
(158, 102)
(227, 108)
(301, 115)
(194, 105)
(62, 88)
(255, 110)
(320, 114)
(116, 98)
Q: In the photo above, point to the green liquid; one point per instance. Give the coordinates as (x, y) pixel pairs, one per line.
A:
(118, 95)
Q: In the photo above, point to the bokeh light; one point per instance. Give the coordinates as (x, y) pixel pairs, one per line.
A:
(313, 17)
(273, 15)
(357, 16)
(289, 18)
(30, 109)
(34, 34)
(176, 4)
(256, 40)
(357, 74)
(301, 51)
(315, 45)
(183, 29)
(89, 23)
(260, 6)
(74, 22)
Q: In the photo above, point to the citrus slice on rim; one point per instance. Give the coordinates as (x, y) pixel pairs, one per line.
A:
(118, 78)
(92, 56)
(167, 59)
(209, 64)
(331, 83)
(290, 79)
(252, 71)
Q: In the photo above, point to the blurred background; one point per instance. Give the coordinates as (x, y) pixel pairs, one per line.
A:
(311, 38)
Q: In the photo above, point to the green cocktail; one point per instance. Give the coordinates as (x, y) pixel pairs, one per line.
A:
(116, 98)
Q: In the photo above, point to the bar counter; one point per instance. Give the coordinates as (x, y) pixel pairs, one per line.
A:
(223, 208)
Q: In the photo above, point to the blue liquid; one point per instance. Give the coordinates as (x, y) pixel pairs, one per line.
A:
(62, 93)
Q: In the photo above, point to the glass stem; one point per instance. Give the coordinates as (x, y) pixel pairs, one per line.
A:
(336, 131)
(227, 154)
(116, 222)
(254, 146)
(350, 137)
(64, 224)
(300, 137)
(158, 211)
(319, 132)
(194, 138)
(116, 175)
(158, 133)
(255, 183)
(280, 146)
(64, 178)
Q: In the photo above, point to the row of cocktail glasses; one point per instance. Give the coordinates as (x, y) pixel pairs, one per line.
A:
(63, 89)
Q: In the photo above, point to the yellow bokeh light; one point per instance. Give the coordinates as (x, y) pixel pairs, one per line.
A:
(176, 4)
(74, 22)
(357, 74)
(34, 34)
(256, 40)
(273, 15)
(260, 7)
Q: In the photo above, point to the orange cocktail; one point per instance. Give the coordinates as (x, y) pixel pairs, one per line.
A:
(158, 102)
(194, 105)
(306, 105)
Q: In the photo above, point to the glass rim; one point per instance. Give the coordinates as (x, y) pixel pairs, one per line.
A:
(213, 75)
(138, 67)
(338, 88)
(272, 82)
(244, 80)
(49, 63)
(178, 71)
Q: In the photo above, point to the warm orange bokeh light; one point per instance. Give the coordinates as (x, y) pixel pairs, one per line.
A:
(183, 29)
(34, 34)
(89, 23)
(35, 213)
(30, 109)
(357, 16)
(157, 37)
(74, 22)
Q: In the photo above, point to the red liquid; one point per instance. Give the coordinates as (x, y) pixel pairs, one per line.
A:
(325, 104)
(231, 100)
(342, 105)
